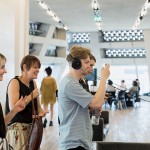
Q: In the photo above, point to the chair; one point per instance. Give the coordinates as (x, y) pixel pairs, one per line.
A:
(137, 99)
(100, 131)
(111, 98)
(121, 100)
(130, 99)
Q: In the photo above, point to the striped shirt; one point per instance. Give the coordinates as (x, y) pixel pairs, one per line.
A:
(75, 125)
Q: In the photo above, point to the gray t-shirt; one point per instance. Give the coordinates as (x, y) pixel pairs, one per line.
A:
(75, 125)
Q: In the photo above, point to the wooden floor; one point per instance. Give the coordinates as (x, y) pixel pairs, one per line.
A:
(51, 133)
(131, 124)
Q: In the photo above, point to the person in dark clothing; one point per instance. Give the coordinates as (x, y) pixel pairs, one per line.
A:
(23, 85)
(138, 82)
(110, 89)
(83, 81)
(19, 106)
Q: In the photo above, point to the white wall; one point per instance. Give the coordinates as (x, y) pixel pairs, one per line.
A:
(13, 37)
(7, 34)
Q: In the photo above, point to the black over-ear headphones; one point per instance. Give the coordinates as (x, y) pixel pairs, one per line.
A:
(76, 63)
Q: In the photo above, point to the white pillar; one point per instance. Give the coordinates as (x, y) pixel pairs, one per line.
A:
(14, 18)
(21, 32)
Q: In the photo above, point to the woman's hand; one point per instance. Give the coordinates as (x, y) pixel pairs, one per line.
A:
(42, 112)
(20, 105)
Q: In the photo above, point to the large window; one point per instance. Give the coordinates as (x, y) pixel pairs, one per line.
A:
(130, 73)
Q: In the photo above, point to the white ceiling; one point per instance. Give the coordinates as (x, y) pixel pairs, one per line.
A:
(79, 16)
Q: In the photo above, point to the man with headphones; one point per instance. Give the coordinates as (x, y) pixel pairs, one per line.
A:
(75, 126)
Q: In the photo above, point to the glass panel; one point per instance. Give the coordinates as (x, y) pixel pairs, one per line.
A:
(130, 73)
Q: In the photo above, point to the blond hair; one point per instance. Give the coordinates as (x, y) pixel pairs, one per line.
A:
(2, 59)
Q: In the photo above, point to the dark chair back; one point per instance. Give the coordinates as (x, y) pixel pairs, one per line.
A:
(137, 97)
(111, 97)
(98, 131)
(111, 94)
(121, 95)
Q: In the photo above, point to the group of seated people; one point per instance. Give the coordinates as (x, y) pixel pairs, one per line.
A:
(122, 93)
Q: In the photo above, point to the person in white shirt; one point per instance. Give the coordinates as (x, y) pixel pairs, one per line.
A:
(123, 87)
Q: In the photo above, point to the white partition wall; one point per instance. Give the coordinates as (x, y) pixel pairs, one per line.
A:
(13, 37)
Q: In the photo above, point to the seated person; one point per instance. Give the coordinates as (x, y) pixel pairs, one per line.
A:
(123, 86)
(138, 82)
(132, 91)
(110, 89)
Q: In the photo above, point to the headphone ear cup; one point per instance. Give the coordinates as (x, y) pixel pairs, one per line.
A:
(76, 64)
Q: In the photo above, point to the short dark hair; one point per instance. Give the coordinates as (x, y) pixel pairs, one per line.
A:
(123, 81)
(110, 82)
(135, 83)
(29, 61)
(48, 71)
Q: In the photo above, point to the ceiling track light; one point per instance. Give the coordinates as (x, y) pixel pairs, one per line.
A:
(43, 5)
(56, 18)
(97, 16)
(95, 5)
(141, 17)
(66, 28)
(51, 13)
(142, 14)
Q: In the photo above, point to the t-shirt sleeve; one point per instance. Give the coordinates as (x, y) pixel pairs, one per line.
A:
(77, 93)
